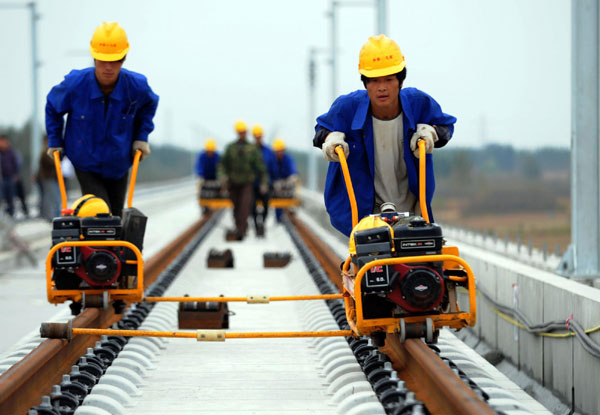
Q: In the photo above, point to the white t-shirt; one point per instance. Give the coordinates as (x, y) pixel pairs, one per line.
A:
(391, 179)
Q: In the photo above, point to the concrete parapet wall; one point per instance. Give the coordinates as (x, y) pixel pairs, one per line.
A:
(560, 364)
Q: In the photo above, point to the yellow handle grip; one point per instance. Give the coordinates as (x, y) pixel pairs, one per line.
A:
(61, 180)
(134, 170)
(340, 152)
(422, 181)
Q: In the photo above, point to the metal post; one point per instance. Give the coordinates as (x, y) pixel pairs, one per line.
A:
(381, 16)
(333, 50)
(35, 125)
(582, 257)
(312, 160)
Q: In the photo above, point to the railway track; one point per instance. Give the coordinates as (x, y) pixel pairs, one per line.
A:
(25, 382)
(407, 378)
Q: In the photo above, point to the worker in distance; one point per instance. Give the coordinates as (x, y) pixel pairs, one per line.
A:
(207, 162)
(286, 174)
(109, 117)
(378, 129)
(239, 168)
(259, 215)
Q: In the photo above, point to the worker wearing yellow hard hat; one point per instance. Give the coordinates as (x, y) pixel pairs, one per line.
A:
(259, 213)
(378, 129)
(206, 163)
(240, 166)
(286, 174)
(109, 117)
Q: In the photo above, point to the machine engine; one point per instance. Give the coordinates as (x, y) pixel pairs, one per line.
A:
(394, 290)
(95, 267)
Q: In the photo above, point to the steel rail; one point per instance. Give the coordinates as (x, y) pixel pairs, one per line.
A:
(433, 382)
(326, 257)
(24, 383)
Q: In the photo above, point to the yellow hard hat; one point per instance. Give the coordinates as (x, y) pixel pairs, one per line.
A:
(89, 205)
(240, 126)
(369, 222)
(278, 144)
(380, 56)
(210, 145)
(257, 131)
(109, 42)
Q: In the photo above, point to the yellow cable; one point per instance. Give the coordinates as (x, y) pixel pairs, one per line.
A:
(522, 327)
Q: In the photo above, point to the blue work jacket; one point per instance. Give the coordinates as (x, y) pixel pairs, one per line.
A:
(285, 167)
(96, 141)
(351, 114)
(269, 160)
(206, 166)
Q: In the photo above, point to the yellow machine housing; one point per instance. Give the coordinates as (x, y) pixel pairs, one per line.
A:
(400, 277)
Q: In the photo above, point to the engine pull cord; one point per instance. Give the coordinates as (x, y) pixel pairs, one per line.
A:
(134, 170)
(340, 152)
(61, 180)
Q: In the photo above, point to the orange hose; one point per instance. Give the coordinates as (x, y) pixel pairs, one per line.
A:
(242, 299)
(331, 333)
(134, 170)
(422, 181)
(61, 180)
(193, 334)
(340, 152)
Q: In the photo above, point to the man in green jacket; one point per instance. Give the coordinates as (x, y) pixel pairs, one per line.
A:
(239, 167)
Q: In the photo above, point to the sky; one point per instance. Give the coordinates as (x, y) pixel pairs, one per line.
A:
(502, 67)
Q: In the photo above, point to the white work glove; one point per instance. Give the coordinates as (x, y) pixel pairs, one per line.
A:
(200, 183)
(51, 151)
(141, 145)
(293, 179)
(334, 139)
(278, 185)
(427, 133)
(263, 189)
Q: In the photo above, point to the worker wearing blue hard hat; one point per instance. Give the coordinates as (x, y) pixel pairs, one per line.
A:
(378, 129)
(109, 117)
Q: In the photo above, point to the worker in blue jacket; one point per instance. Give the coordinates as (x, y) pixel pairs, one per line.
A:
(378, 129)
(109, 117)
(286, 174)
(206, 164)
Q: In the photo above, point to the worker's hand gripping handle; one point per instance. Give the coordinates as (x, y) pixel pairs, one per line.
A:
(422, 180)
(340, 152)
(61, 180)
(134, 170)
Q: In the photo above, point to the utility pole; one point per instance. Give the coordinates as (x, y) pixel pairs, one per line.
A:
(381, 6)
(333, 47)
(381, 27)
(312, 89)
(35, 136)
(582, 259)
(35, 126)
